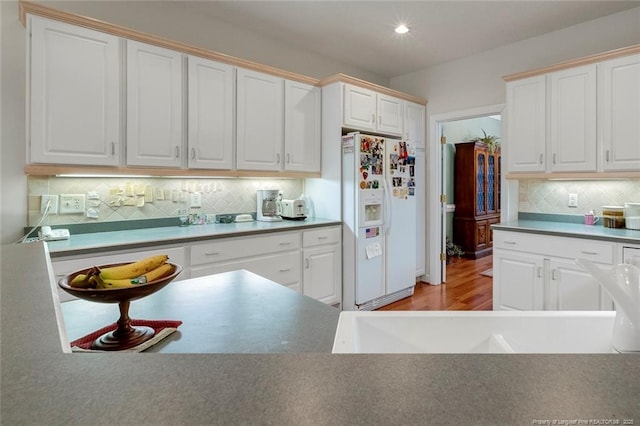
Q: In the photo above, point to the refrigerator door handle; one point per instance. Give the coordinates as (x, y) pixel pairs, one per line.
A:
(387, 211)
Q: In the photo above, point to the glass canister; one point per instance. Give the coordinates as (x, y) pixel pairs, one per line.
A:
(613, 216)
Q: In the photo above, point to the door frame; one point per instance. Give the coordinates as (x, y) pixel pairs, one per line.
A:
(436, 210)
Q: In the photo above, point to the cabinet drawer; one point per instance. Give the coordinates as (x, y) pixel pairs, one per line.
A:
(234, 248)
(284, 268)
(571, 248)
(321, 236)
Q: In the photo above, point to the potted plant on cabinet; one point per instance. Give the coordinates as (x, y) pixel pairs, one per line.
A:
(491, 142)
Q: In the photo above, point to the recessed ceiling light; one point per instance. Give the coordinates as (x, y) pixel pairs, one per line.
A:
(402, 29)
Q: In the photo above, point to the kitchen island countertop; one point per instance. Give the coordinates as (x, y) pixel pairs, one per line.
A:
(230, 312)
(573, 230)
(43, 385)
(146, 237)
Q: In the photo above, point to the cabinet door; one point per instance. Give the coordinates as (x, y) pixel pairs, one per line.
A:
(573, 289)
(154, 106)
(573, 119)
(302, 127)
(526, 127)
(322, 273)
(359, 108)
(211, 113)
(414, 117)
(74, 95)
(620, 113)
(518, 281)
(260, 121)
(390, 113)
(282, 268)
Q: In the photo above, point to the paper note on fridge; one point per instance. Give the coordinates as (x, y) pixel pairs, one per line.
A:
(373, 250)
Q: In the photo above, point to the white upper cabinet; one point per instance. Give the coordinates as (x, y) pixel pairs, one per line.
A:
(260, 121)
(74, 97)
(620, 113)
(211, 94)
(154, 106)
(526, 113)
(302, 127)
(365, 109)
(390, 115)
(414, 117)
(572, 118)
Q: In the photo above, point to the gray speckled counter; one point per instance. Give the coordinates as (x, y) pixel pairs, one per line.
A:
(43, 385)
(146, 237)
(232, 312)
(574, 230)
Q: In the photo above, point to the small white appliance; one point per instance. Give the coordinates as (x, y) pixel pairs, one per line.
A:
(269, 206)
(293, 209)
(379, 218)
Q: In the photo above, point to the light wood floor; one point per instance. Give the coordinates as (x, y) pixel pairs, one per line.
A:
(464, 290)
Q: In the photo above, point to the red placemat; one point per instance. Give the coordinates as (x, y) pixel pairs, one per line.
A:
(85, 342)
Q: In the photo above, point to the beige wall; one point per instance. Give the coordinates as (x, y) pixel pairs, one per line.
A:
(172, 20)
(476, 80)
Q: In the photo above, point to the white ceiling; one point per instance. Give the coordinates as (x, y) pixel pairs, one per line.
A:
(361, 32)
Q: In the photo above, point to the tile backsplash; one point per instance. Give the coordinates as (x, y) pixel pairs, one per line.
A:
(117, 199)
(552, 196)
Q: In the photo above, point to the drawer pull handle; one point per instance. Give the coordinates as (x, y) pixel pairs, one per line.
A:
(211, 253)
(589, 252)
(285, 269)
(512, 243)
(285, 243)
(324, 237)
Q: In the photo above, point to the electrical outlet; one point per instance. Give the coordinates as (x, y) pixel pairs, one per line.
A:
(72, 203)
(573, 200)
(53, 204)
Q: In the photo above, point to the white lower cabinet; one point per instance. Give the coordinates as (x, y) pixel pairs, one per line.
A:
(275, 257)
(280, 257)
(517, 281)
(536, 272)
(322, 257)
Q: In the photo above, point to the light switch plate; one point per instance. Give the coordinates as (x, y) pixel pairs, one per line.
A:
(573, 200)
(195, 200)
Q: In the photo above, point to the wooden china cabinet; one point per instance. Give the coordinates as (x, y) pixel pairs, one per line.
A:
(477, 197)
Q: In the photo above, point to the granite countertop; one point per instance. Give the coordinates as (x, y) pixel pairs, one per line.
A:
(231, 312)
(145, 237)
(43, 385)
(575, 230)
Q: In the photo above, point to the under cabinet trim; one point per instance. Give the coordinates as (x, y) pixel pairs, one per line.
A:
(56, 170)
(574, 176)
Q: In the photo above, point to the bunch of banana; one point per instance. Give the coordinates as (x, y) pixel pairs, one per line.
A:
(128, 275)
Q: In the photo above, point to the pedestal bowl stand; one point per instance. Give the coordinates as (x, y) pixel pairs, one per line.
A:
(125, 336)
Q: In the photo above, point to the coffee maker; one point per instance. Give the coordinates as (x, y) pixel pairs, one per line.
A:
(269, 207)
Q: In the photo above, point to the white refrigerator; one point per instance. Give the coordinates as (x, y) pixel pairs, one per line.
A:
(379, 220)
